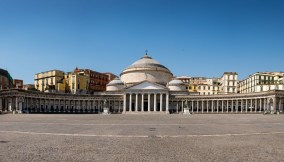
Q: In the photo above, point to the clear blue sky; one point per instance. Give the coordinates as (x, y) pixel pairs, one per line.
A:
(195, 38)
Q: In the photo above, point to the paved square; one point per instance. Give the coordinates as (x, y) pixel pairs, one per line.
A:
(75, 137)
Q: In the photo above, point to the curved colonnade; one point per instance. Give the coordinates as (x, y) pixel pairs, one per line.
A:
(37, 102)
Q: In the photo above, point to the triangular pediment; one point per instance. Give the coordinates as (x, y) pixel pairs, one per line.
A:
(147, 86)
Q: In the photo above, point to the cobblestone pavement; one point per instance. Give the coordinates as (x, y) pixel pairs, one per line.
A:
(78, 137)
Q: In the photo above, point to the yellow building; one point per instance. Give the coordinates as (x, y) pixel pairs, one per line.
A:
(77, 82)
(80, 81)
(50, 81)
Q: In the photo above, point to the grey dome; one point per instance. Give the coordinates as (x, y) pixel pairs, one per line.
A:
(147, 62)
(148, 69)
(115, 81)
(175, 82)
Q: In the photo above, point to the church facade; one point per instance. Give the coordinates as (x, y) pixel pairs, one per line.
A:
(146, 86)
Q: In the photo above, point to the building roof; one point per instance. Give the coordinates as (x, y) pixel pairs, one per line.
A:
(175, 82)
(146, 62)
(184, 77)
(231, 73)
(146, 68)
(6, 74)
(115, 81)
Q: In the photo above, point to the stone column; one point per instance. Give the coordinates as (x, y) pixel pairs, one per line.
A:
(177, 106)
(191, 105)
(197, 104)
(136, 102)
(222, 106)
(237, 105)
(149, 100)
(251, 105)
(265, 104)
(256, 105)
(1, 108)
(242, 104)
(217, 106)
(21, 105)
(182, 108)
(227, 106)
(202, 105)
(212, 106)
(16, 104)
(232, 105)
(260, 105)
(124, 103)
(274, 104)
(161, 102)
(142, 102)
(130, 102)
(167, 103)
(246, 105)
(155, 102)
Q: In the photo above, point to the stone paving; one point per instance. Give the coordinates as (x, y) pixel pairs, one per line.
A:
(83, 137)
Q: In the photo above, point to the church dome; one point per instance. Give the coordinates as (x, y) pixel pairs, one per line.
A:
(115, 85)
(176, 85)
(115, 81)
(148, 69)
(175, 82)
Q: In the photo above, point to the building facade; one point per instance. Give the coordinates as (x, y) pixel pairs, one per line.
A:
(80, 81)
(77, 82)
(18, 83)
(227, 84)
(111, 76)
(50, 81)
(262, 81)
(145, 86)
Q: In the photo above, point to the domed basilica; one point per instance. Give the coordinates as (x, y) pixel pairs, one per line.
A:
(147, 70)
(146, 85)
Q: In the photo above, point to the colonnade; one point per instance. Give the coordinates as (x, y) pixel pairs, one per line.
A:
(137, 102)
(248, 105)
(146, 102)
(56, 105)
